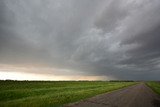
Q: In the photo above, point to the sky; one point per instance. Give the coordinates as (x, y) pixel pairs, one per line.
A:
(80, 39)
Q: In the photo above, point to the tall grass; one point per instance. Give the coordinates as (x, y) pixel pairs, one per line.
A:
(155, 86)
(49, 93)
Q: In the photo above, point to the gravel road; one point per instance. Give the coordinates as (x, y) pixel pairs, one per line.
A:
(134, 96)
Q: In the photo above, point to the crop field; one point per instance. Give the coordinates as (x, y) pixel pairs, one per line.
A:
(155, 86)
(52, 93)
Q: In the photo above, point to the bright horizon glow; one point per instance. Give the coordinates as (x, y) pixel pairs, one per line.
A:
(36, 73)
(31, 76)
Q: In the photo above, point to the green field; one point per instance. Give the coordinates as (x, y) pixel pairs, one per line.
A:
(52, 93)
(155, 86)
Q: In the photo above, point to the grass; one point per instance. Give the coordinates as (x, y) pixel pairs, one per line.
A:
(155, 86)
(52, 93)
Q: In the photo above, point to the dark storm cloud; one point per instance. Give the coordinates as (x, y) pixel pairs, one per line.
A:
(116, 38)
(111, 16)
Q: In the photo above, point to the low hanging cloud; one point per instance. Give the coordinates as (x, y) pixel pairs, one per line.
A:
(112, 38)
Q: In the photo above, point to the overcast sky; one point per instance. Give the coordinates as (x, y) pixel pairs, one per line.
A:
(113, 39)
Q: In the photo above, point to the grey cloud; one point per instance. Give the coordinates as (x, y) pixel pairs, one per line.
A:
(89, 37)
(111, 15)
(146, 36)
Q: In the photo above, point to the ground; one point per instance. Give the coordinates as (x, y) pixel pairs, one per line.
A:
(134, 96)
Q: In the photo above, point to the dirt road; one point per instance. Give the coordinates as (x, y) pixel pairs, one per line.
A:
(135, 96)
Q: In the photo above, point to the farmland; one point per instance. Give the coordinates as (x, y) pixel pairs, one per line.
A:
(52, 93)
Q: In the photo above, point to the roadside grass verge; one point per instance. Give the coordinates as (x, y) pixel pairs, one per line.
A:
(52, 93)
(155, 86)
